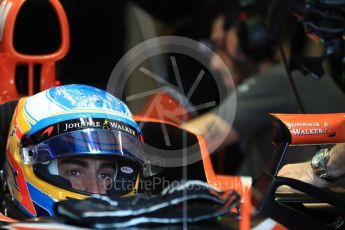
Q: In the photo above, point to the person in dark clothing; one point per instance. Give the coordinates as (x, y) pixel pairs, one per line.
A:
(266, 90)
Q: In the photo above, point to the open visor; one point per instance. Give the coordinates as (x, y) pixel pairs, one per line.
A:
(86, 142)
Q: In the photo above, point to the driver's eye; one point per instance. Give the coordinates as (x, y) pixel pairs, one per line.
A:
(105, 175)
(73, 173)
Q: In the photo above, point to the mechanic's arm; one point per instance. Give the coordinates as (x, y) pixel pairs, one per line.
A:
(303, 171)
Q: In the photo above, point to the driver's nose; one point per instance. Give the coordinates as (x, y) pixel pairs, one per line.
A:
(95, 186)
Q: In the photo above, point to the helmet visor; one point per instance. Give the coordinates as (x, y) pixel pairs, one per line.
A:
(83, 142)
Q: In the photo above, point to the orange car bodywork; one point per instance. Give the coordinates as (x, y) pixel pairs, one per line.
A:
(310, 128)
(241, 185)
(224, 182)
(10, 58)
(163, 106)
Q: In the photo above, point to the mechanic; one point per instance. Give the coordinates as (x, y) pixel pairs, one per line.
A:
(326, 168)
(266, 90)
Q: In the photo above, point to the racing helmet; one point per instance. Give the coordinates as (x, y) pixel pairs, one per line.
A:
(69, 122)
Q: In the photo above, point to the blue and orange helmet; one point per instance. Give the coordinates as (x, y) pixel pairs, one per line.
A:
(62, 122)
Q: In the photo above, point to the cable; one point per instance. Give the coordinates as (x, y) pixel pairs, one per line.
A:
(292, 83)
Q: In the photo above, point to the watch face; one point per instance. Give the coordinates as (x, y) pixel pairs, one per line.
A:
(318, 164)
(317, 158)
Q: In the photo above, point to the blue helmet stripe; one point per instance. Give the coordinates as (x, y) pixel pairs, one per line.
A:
(41, 199)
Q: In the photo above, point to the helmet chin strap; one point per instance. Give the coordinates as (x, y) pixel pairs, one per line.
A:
(53, 168)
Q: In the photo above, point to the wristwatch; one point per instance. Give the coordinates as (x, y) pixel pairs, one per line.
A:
(318, 164)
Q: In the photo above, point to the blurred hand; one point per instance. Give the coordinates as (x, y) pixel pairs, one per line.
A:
(202, 124)
(303, 172)
(212, 126)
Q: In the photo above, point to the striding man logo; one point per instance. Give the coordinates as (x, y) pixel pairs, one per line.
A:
(106, 124)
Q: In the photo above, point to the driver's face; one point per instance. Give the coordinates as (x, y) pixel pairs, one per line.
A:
(88, 174)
